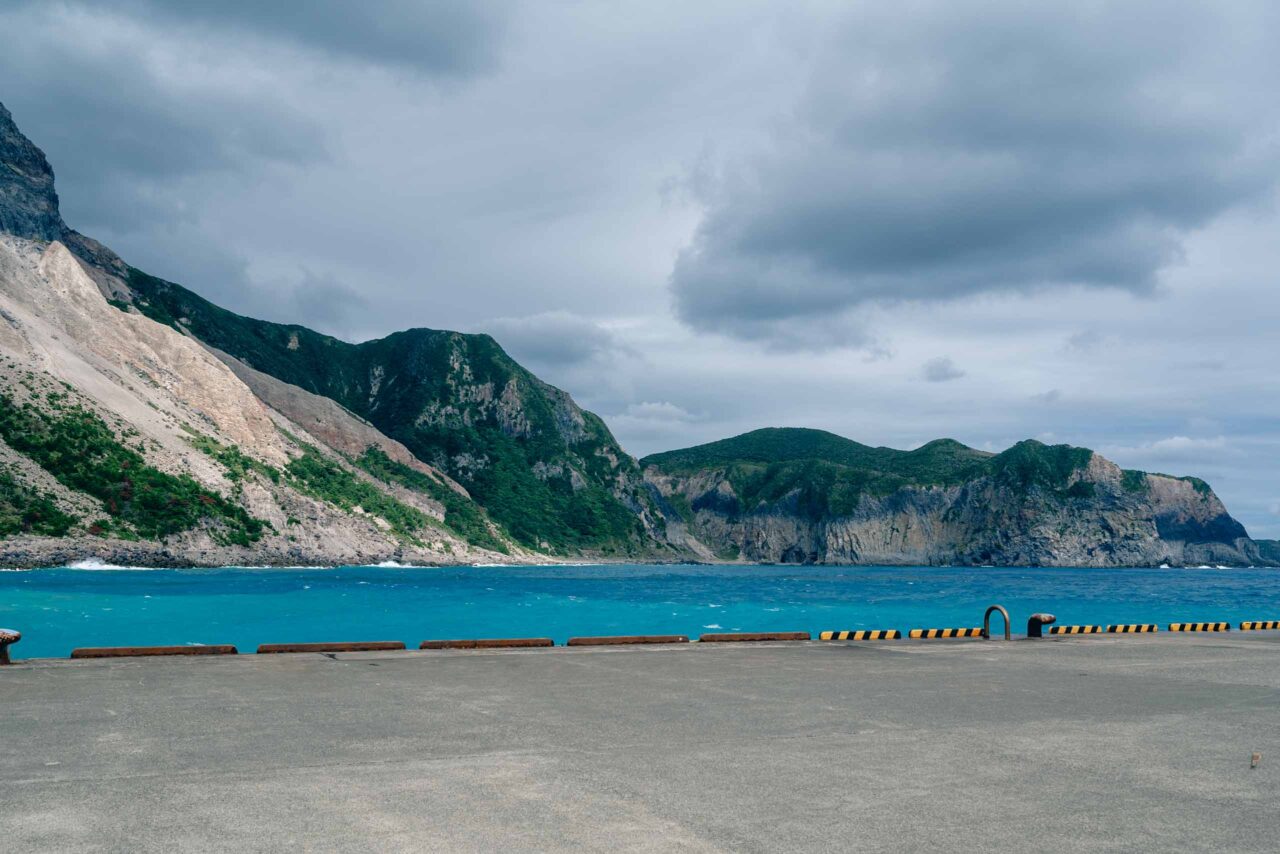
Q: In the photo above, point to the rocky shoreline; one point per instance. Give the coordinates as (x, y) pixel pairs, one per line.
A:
(21, 553)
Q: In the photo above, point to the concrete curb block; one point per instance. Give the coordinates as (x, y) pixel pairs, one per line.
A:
(1075, 630)
(931, 634)
(861, 635)
(487, 643)
(137, 651)
(342, 646)
(627, 639)
(1134, 628)
(1259, 625)
(1199, 627)
(747, 637)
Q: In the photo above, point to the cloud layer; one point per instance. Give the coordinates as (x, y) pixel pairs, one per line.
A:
(946, 150)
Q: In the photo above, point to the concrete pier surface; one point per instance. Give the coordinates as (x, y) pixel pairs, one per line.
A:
(1066, 744)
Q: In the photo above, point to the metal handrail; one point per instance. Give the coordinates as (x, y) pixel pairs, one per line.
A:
(986, 622)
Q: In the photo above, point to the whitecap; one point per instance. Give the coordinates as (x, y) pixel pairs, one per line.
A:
(94, 563)
(713, 626)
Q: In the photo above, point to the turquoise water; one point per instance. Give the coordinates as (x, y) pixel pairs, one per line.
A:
(58, 609)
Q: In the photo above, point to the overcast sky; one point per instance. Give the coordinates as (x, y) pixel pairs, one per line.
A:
(895, 221)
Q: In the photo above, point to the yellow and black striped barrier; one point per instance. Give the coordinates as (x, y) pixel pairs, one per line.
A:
(861, 635)
(1259, 625)
(1138, 628)
(946, 633)
(1075, 630)
(1199, 627)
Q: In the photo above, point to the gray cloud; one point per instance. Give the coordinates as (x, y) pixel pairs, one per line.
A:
(955, 149)
(1085, 341)
(450, 37)
(121, 132)
(940, 370)
(1053, 395)
(554, 339)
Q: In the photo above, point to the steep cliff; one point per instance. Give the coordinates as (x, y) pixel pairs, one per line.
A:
(127, 440)
(433, 419)
(806, 496)
(546, 470)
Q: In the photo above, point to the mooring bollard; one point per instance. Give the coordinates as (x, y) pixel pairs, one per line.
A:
(7, 637)
(1037, 622)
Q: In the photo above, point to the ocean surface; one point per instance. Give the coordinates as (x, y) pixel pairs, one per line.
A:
(59, 609)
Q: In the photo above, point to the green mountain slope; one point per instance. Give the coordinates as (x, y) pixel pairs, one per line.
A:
(550, 473)
(822, 473)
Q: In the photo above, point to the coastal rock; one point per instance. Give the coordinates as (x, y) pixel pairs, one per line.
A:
(28, 203)
(1034, 505)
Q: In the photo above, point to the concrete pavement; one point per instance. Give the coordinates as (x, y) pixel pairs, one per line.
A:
(1096, 743)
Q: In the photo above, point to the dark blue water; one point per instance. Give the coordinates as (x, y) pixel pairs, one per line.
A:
(58, 609)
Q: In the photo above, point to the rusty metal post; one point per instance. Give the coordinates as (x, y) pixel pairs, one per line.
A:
(7, 637)
(986, 622)
(1037, 622)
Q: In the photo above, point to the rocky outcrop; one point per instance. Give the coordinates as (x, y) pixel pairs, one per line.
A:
(1008, 510)
(28, 203)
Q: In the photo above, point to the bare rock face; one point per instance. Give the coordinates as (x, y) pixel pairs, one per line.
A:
(1034, 505)
(28, 203)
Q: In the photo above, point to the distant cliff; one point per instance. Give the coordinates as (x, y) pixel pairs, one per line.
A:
(807, 496)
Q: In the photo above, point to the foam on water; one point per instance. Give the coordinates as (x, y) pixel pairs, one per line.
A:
(93, 564)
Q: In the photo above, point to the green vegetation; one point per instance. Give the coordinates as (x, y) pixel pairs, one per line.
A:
(461, 515)
(25, 511)
(237, 464)
(817, 475)
(940, 461)
(456, 401)
(81, 451)
(1031, 464)
(1198, 485)
(322, 478)
(1135, 481)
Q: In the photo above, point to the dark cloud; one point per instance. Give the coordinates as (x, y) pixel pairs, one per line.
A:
(451, 37)
(940, 370)
(1053, 395)
(945, 150)
(554, 339)
(122, 134)
(322, 302)
(1085, 341)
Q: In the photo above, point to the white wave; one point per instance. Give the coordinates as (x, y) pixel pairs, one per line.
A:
(95, 564)
(713, 626)
(273, 566)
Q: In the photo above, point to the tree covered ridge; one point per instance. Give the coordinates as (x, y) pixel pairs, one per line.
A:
(549, 474)
(817, 474)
